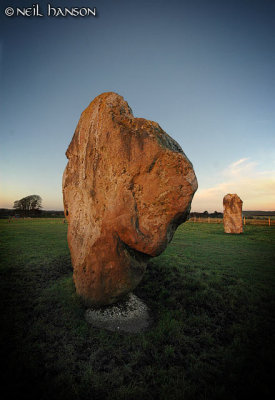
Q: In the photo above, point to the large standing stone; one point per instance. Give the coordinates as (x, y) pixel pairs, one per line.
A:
(232, 214)
(126, 188)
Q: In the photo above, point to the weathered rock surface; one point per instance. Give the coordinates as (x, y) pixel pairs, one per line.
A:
(232, 214)
(126, 188)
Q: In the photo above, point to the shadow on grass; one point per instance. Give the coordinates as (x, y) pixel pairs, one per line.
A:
(212, 337)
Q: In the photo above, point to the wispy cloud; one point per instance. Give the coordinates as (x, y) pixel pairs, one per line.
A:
(240, 168)
(256, 188)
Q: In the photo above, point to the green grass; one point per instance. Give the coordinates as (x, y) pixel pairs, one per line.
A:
(211, 296)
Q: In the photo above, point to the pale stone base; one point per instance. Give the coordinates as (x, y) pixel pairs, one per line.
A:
(130, 315)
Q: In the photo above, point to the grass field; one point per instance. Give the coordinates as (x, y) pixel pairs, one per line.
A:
(211, 296)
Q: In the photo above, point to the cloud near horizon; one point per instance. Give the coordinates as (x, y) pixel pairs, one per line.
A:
(256, 188)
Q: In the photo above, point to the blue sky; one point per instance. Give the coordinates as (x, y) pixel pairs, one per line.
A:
(204, 70)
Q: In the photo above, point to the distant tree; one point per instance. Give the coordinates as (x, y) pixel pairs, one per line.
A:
(216, 214)
(28, 205)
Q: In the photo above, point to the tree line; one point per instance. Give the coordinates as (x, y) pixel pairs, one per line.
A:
(206, 214)
(30, 205)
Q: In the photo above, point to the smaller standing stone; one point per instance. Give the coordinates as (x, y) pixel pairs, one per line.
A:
(232, 214)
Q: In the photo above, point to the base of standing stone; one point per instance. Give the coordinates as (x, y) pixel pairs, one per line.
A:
(130, 315)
